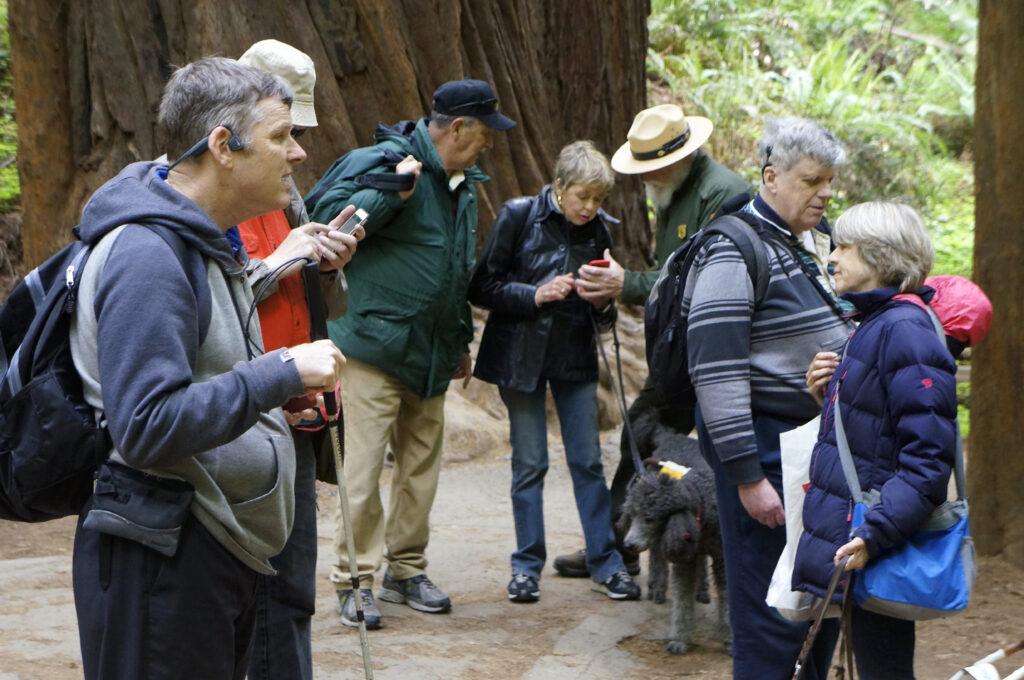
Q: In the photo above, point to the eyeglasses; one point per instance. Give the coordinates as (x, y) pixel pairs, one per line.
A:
(767, 158)
(298, 132)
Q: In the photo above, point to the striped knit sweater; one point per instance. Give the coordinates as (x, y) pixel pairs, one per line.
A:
(745, 361)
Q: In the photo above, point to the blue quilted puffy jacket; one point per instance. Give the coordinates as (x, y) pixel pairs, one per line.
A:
(896, 385)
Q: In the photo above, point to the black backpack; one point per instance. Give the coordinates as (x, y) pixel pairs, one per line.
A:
(664, 324)
(51, 441)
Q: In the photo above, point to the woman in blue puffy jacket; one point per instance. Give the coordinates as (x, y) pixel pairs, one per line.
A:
(896, 386)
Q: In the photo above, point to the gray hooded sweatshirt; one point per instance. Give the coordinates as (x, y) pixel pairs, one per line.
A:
(159, 344)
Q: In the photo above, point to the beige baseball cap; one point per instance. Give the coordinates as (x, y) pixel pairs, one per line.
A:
(295, 67)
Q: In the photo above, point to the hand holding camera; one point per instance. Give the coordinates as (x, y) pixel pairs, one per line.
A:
(600, 280)
(338, 239)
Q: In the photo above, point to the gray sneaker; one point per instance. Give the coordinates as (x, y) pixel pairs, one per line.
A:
(349, 615)
(419, 592)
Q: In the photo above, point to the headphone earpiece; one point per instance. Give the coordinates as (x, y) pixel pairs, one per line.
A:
(200, 147)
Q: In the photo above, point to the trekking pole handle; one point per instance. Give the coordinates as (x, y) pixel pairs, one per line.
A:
(317, 317)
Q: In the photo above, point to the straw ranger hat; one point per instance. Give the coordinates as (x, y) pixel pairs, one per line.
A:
(295, 67)
(660, 136)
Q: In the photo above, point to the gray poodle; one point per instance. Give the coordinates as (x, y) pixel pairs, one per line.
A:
(677, 520)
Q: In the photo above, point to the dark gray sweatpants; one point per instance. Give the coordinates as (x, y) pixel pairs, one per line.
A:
(144, 616)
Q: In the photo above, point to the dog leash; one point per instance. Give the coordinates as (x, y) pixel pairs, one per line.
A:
(619, 395)
(812, 633)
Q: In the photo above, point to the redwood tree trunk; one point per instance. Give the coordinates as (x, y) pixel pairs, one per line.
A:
(996, 465)
(88, 76)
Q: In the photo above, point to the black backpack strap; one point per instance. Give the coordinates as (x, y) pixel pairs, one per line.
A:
(741, 231)
(388, 180)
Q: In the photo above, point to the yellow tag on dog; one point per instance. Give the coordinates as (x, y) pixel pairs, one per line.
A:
(673, 470)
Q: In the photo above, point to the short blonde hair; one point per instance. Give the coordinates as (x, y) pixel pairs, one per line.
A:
(892, 240)
(581, 163)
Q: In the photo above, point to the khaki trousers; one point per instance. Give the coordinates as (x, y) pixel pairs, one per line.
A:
(379, 410)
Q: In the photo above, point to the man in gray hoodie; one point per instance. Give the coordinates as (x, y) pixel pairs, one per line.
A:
(198, 493)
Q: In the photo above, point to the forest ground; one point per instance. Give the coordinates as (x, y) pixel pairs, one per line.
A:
(572, 632)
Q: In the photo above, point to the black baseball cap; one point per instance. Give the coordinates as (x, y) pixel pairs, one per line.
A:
(471, 98)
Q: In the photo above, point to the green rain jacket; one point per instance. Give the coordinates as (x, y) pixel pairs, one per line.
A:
(693, 204)
(407, 310)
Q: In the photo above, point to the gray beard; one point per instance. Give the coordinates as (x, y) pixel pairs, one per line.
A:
(661, 194)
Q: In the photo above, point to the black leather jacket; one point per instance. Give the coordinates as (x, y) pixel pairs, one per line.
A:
(529, 244)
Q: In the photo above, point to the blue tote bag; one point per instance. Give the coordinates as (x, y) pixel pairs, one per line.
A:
(932, 574)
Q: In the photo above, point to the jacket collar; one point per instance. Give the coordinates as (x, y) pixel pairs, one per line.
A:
(760, 208)
(431, 160)
(870, 301)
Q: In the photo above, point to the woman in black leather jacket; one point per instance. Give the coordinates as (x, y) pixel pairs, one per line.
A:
(540, 332)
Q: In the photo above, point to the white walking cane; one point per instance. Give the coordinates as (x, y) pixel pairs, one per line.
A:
(318, 331)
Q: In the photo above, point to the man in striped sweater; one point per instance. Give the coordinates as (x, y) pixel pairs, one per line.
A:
(747, 360)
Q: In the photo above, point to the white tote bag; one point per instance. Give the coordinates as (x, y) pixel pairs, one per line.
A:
(796, 447)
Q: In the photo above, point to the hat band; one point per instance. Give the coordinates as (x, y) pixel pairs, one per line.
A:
(668, 147)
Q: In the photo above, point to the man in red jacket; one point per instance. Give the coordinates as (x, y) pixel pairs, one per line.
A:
(276, 242)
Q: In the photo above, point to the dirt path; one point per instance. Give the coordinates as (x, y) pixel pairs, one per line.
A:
(571, 633)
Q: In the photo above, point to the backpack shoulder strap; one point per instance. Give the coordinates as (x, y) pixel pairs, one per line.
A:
(738, 229)
(359, 166)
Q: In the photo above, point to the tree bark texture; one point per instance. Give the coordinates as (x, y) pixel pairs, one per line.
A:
(996, 465)
(88, 77)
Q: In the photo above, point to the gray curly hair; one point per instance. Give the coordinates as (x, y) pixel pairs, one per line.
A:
(789, 139)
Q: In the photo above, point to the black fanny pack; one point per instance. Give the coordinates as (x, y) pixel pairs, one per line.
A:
(140, 507)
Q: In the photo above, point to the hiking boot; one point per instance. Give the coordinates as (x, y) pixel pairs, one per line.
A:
(618, 586)
(419, 592)
(349, 615)
(574, 565)
(523, 588)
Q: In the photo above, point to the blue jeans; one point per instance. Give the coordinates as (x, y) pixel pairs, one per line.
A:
(285, 602)
(765, 645)
(576, 403)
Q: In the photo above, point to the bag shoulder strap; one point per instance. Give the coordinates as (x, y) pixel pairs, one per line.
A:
(846, 458)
